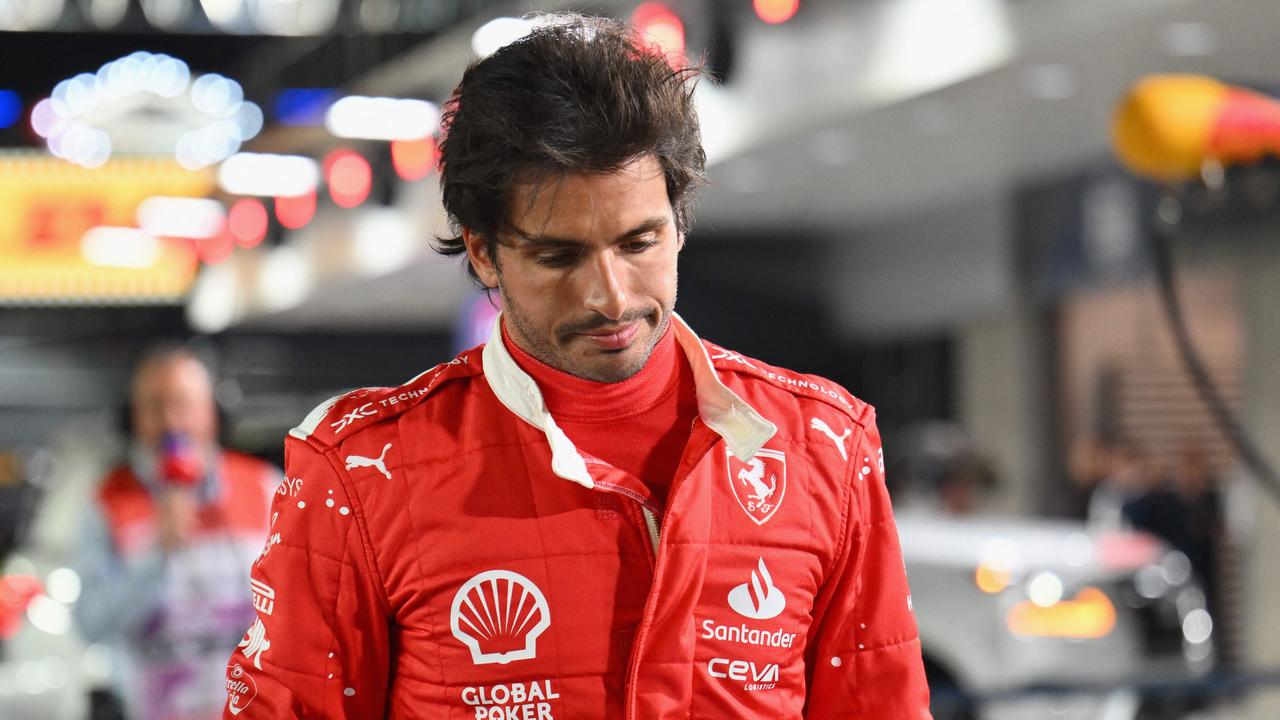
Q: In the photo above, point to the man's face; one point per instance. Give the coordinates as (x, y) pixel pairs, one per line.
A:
(588, 273)
(173, 395)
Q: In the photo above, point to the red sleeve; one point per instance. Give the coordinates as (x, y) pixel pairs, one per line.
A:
(863, 654)
(319, 645)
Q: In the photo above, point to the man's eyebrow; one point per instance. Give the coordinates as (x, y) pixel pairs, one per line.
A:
(652, 224)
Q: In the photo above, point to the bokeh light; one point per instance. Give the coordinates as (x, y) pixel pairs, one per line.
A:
(10, 108)
(663, 28)
(349, 177)
(247, 221)
(295, 211)
(215, 249)
(414, 159)
(775, 12)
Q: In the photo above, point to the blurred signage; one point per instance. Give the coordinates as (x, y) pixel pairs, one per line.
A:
(1098, 231)
(264, 17)
(49, 206)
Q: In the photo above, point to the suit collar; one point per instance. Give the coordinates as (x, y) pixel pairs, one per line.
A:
(743, 429)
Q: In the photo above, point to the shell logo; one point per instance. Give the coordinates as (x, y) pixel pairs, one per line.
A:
(499, 615)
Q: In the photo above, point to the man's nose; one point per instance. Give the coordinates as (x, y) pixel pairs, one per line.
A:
(175, 417)
(605, 293)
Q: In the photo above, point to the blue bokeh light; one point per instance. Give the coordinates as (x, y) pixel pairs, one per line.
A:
(10, 108)
(299, 107)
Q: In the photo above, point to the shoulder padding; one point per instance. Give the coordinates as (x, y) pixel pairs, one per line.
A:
(799, 384)
(333, 420)
(120, 480)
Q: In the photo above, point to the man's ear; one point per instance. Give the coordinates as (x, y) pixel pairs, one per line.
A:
(478, 253)
(679, 240)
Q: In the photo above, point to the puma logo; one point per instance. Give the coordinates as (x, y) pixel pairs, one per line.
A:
(357, 461)
(822, 427)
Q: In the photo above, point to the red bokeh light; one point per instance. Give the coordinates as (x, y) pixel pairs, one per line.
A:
(247, 221)
(414, 159)
(349, 177)
(16, 593)
(660, 25)
(776, 12)
(295, 212)
(216, 249)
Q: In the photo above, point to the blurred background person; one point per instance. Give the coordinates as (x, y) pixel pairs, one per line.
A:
(1087, 462)
(166, 544)
(1196, 485)
(1205, 539)
(965, 484)
(1146, 499)
(941, 471)
(1126, 478)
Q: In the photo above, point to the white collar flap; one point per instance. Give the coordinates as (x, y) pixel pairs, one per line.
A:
(743, 429)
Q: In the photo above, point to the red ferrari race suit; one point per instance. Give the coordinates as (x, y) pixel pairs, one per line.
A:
(442, 550)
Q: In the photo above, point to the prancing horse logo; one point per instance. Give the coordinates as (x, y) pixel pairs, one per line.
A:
(758, 484)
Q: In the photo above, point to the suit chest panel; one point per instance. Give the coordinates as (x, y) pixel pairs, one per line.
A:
(745, 555)
(524, 585)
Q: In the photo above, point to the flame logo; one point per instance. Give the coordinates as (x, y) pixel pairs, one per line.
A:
(758, 599)
(499, 615)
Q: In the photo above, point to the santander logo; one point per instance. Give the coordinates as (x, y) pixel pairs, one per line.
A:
(758, 599)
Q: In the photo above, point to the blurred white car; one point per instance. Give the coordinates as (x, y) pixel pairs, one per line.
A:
(1005, 605)
(45, 672)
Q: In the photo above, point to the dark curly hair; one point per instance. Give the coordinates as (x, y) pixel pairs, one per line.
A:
(578, 95)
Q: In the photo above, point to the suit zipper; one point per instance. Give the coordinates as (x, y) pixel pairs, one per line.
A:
(633, 667)
(652, 521)
(652, 525)
(677, 484)
(650, 513)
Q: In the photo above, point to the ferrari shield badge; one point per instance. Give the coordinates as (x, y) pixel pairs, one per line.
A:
(759, 483)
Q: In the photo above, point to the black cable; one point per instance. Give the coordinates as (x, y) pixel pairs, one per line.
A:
(1166, 227)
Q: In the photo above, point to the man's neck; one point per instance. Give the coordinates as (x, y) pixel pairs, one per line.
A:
(573, 398)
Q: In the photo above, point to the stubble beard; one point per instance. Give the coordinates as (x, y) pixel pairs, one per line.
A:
(547, 352)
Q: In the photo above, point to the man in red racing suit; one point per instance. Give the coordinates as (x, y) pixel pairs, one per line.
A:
(482, 543)
(411, 511)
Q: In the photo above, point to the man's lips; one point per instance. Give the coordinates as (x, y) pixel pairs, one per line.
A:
(612, 338)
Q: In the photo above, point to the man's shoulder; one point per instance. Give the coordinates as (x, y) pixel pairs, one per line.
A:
(335, 420)
(243, 465)
(767, 379)
(119, 480)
